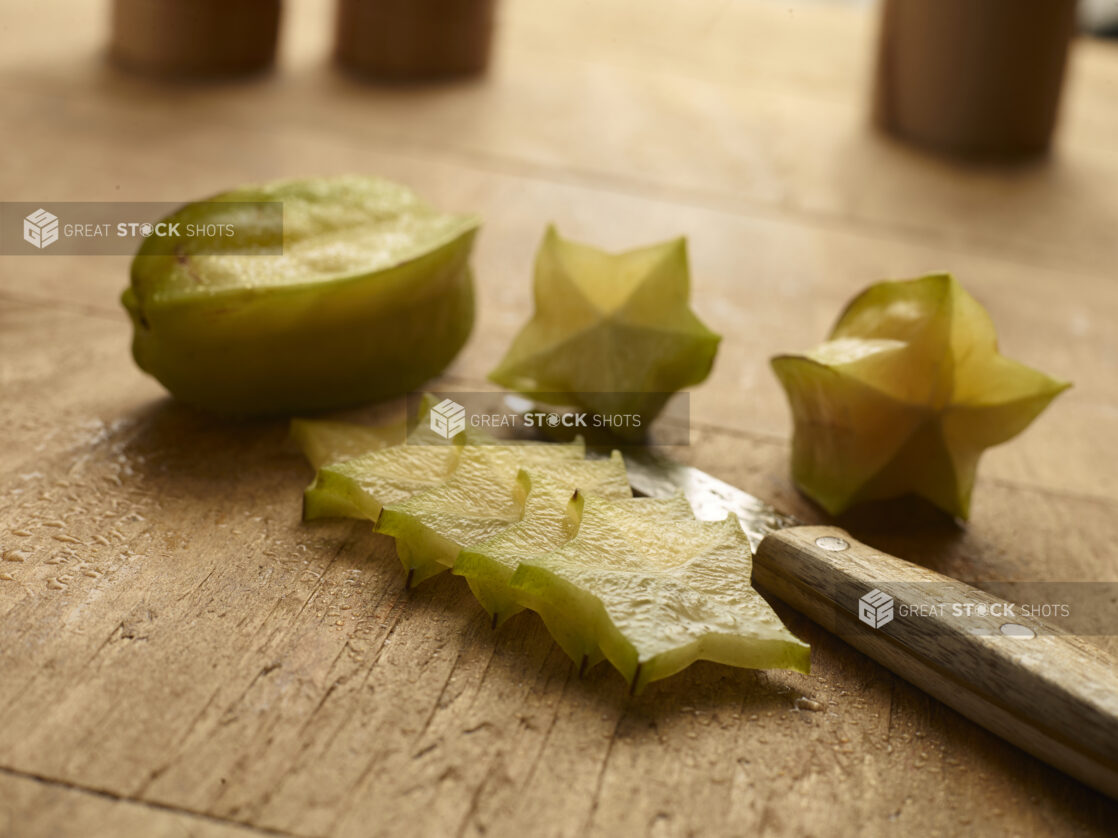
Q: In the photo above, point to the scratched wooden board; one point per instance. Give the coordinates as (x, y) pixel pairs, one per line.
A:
(36, 807)
(178, 654)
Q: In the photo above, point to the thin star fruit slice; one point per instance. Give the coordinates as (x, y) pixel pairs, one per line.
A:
(325, 441)
(550, 517)
(570, 612)
(614, 331)
(654, 600)
(480, 499)
(361, 486)
(343, 314)
(904, 397)
(348, 486)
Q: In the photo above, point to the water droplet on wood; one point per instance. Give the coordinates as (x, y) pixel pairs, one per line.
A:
(810, 704)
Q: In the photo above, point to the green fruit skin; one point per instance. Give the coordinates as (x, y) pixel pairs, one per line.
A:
(727, 649)
(422, 551)
(309, 347)
(489, 582)
(334, 496)
(573, 617)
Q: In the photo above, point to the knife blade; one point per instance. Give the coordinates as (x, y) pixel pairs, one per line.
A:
(1050, 693)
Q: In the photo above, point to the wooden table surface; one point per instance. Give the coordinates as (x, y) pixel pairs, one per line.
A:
(179, 655)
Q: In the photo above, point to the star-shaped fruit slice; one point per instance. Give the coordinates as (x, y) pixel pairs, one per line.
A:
(613, 332)
(548, 523)
(361, 486)
(479, 500)
(656, 595)
(325, 441)
(904, 397)
(550, 517)
(361, 467)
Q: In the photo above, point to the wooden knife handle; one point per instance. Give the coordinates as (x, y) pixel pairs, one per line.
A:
(1048, 692)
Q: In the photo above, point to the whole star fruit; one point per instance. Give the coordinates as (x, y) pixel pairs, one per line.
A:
(655, 598)
(904, 396)
(613, 332)
(370, 295)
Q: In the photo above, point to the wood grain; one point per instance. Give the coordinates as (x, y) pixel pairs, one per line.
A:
(32, 807)
(173, 639)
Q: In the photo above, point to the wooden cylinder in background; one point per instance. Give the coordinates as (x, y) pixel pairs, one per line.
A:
(972, 77)
(414, 39)
(195, 38)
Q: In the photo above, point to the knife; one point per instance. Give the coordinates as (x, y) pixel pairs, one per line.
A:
(1046, 691)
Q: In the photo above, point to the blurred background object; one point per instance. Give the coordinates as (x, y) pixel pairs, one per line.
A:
(973, 77)
(195, 38)
(1099, 17)
(404, 39)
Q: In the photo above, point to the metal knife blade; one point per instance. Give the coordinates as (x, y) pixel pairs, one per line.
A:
(654, 475)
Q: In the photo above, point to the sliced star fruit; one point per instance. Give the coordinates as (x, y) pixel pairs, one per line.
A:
(480, 499)
(489, 567)
(360, 486)
(568, 611)
(550, 515)
(339, 493)
(654, 600)
(613, 332)
(904, 397)
(636, 580)
(325, 442)
(371, 295)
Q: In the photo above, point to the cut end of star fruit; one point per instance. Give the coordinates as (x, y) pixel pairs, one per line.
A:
(612, 331)
(904, 396)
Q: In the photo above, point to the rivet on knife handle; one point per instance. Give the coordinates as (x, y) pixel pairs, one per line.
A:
(1049, 693)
